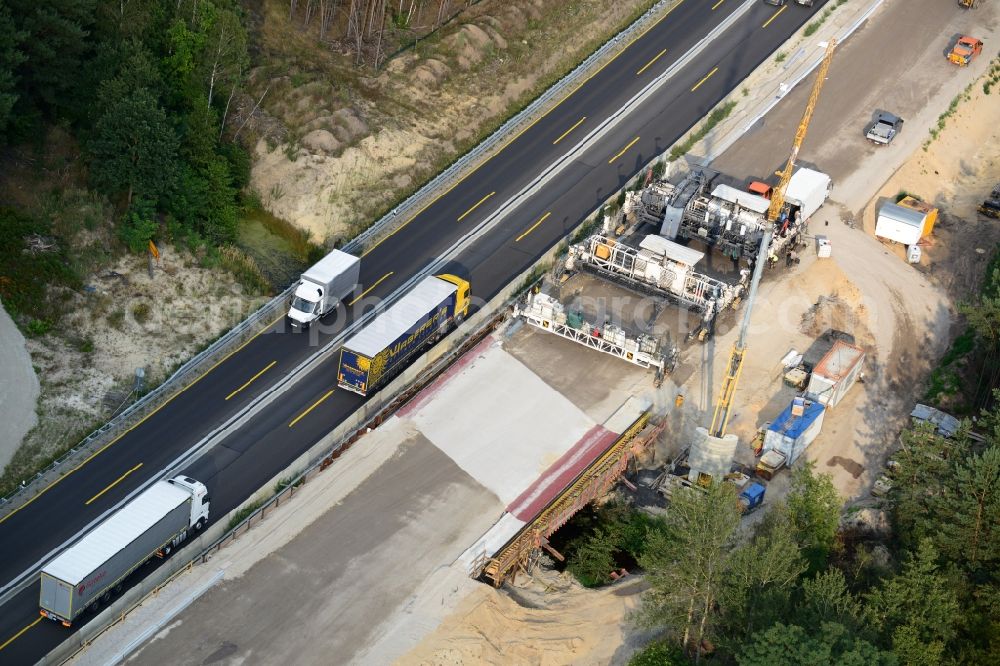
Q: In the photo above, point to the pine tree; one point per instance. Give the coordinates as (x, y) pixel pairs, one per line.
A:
(814, 510)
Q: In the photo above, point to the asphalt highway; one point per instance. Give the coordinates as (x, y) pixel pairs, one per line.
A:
(311, 408)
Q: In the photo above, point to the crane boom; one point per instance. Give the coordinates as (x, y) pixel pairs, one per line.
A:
(720, 417)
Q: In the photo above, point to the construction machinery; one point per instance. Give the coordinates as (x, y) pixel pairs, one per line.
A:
(723, 407)
(968, 4)
(965, 50)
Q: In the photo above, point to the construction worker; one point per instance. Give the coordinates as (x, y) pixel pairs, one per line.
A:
(679, 400)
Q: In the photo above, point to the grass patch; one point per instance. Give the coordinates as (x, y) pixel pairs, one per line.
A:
(992, 76)
(815, 25)
(714, 118)
(245, 270)
(942, 120)
(32, 259)
(244, 513)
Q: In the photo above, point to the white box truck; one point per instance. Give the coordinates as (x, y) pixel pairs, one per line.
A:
(807, 189)
(324, 285)
(153, 523)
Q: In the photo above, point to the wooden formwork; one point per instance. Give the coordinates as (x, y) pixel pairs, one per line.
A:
(593, 482)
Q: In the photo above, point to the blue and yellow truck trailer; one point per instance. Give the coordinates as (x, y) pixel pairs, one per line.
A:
(376, 353)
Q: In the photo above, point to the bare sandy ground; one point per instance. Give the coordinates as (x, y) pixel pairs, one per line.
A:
(18, 389)
(345, 155)
(122, 321)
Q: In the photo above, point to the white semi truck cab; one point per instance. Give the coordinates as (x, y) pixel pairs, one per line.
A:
(199, 500)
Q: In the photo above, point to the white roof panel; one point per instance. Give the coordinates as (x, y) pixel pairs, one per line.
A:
(754, 202)
(330, 266)
(403, 314)
(115, 533)
(907, 216)
(671, 250)
(804, 182)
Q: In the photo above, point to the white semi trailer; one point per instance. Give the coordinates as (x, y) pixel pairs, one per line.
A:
(152, 524)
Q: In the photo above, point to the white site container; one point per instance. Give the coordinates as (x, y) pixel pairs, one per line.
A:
(900, 224)
(835, 374)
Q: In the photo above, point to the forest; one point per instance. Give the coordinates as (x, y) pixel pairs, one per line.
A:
(146, 88)
(801, 588)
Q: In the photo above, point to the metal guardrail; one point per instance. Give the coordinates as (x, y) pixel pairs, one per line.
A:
(191, 370)
(178, 381)
(511, 128)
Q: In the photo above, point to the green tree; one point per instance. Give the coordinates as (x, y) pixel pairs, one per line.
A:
(659, 653)
(593, 559)
(760, 578)
(967, 519)
(687, 562)
(825, 598)
(814, 510)
(10, 59)
(134, 147)
(829, 644)
(916, 609)
(923, 473)
(56, 50)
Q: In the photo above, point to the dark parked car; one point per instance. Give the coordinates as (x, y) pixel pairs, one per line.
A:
(884, 128)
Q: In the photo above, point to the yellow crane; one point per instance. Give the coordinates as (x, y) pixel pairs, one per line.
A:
(720, 418)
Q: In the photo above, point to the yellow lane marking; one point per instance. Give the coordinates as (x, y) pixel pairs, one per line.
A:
(314, 406)
(142, 420)
(716, 5)
(630, 144)
(250, 381)
(18, 634)
(646, 66)
(707, 77)
(365, 292)
(528, 127)
(475, 206)
(533, 227)
(363, 254)
(563, 135)
(768, 21)
(113, 484)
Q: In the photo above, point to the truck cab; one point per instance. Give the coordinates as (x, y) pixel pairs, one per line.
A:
(307, 304)
(964, 50)
(199, 500)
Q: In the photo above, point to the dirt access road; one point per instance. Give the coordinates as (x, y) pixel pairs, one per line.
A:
(900, 313)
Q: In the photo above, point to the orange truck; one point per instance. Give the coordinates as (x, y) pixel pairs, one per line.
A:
(964, 50)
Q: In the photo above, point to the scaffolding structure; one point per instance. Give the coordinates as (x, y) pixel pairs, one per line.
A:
(647, 271)
(594, 481)
(548, 314)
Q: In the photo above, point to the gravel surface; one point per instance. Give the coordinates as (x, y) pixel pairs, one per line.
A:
(18, 389)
